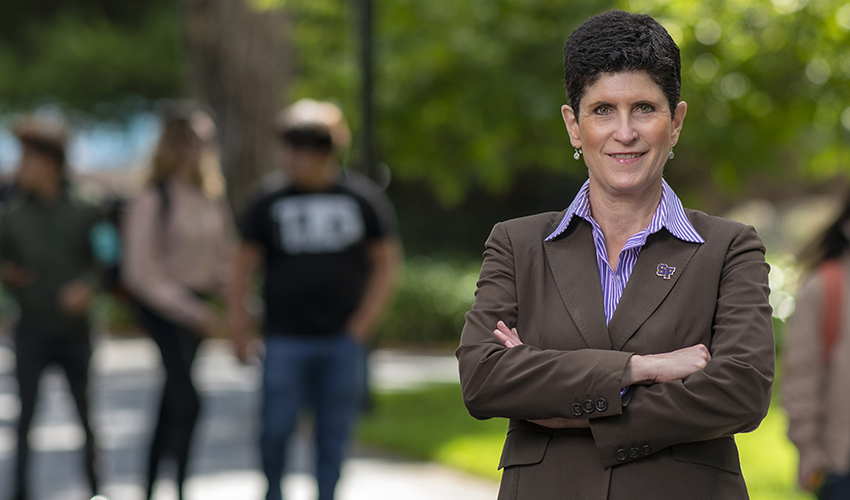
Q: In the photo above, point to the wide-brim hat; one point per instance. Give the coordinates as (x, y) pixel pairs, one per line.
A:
(45, 131)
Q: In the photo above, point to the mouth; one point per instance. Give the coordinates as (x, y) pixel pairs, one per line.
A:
(626, 156)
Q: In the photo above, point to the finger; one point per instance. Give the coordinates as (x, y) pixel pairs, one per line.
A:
(511, 334)
(504, 338)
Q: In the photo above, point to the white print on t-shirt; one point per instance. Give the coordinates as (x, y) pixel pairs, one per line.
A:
(318, 223)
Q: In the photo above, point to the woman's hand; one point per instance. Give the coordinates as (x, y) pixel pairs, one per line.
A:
(810, 475)
(508, 336)
(665, 367)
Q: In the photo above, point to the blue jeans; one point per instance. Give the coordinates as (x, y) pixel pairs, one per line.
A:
(321, 372)
(835, 488)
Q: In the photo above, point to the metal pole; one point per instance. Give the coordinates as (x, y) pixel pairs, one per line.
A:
(367, 85)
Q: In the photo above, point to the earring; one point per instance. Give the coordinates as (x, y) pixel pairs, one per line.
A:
(671, 155)
(577, 154)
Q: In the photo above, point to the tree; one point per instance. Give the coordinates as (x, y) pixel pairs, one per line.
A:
(469, 92)
(240, 67)
(96, 56)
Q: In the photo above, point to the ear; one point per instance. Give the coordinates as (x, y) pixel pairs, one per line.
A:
(678, 121)
(571, 122)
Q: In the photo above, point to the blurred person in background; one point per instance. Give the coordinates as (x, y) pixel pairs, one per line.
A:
(48, 265)
(817, 364)
(178, 239)
(627, 339)
(327, 242)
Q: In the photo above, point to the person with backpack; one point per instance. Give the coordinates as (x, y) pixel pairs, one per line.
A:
(817, 364)
(178, 238)
(48, 265)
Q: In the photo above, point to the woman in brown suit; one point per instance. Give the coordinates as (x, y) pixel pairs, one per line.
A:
(626, 338)
(817, 365)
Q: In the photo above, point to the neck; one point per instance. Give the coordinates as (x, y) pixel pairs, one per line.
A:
(48, 191)
(622, 216)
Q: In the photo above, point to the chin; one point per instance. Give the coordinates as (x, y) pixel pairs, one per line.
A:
(633, 186)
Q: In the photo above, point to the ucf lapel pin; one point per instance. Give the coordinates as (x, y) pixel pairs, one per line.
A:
(665, 271)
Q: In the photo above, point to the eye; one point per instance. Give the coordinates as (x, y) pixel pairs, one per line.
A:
(645, 108)
(602, 110)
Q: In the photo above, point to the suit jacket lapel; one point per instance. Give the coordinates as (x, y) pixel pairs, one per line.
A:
(646, 289)
(572, 259)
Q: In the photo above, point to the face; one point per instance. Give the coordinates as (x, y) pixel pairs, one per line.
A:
(201, 133)
(625, 131)
(301, 165)
(36, 171)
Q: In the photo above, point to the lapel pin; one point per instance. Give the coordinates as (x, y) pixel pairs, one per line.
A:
(665, 271)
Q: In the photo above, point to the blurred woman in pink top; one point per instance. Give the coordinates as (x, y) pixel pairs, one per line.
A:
(178, 239)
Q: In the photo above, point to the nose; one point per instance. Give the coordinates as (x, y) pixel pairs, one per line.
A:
(625, 133)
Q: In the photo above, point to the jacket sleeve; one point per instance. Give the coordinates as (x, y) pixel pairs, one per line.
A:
(732, 394)
(805, 373)
(526, 382)
(228, 244)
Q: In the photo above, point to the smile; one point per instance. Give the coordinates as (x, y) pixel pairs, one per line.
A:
(626, 156)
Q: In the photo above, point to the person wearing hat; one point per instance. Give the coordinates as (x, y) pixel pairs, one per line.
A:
(327, 240)
(47, 264)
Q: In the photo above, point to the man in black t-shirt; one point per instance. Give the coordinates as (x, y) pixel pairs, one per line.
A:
(328, 243)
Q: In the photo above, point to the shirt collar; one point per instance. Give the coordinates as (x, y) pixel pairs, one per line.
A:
(670, 214)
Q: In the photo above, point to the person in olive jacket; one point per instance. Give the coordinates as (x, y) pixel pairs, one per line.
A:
(47, 264)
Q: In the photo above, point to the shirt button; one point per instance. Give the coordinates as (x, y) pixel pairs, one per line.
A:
(634, 452)
(601, 404)
(588, 406)
(620, 454)
(577, 410)
(646, 450)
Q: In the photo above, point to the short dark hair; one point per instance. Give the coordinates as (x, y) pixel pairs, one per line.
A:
(617, 41)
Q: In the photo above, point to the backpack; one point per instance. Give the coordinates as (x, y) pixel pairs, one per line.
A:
(106, 240)
(832, 274)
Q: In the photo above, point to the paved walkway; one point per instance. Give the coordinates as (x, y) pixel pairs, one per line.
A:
(226, 466)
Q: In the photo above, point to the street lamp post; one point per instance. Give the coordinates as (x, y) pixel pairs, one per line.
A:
(367, 90)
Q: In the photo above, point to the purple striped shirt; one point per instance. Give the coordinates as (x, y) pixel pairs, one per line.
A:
(669, 215)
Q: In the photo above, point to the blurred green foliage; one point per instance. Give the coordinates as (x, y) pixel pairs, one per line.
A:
(468, 93)
(97, 56)
(445, 432)
(431, 300)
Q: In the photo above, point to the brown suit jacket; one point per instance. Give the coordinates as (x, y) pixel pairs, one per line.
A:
(663, 441)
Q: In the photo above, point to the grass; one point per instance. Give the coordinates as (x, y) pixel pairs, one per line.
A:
(432, 424)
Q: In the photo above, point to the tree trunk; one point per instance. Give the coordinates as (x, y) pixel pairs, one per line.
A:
(239, 65)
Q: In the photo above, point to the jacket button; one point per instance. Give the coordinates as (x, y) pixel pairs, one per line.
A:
(634, 452)
(601, 404)
(588, 406)
(646, 450)
(577, 410)
(620, 454)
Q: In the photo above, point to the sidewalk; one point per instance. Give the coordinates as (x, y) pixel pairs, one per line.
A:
(225, 465)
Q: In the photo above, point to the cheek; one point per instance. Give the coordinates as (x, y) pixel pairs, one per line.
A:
(28, 173)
